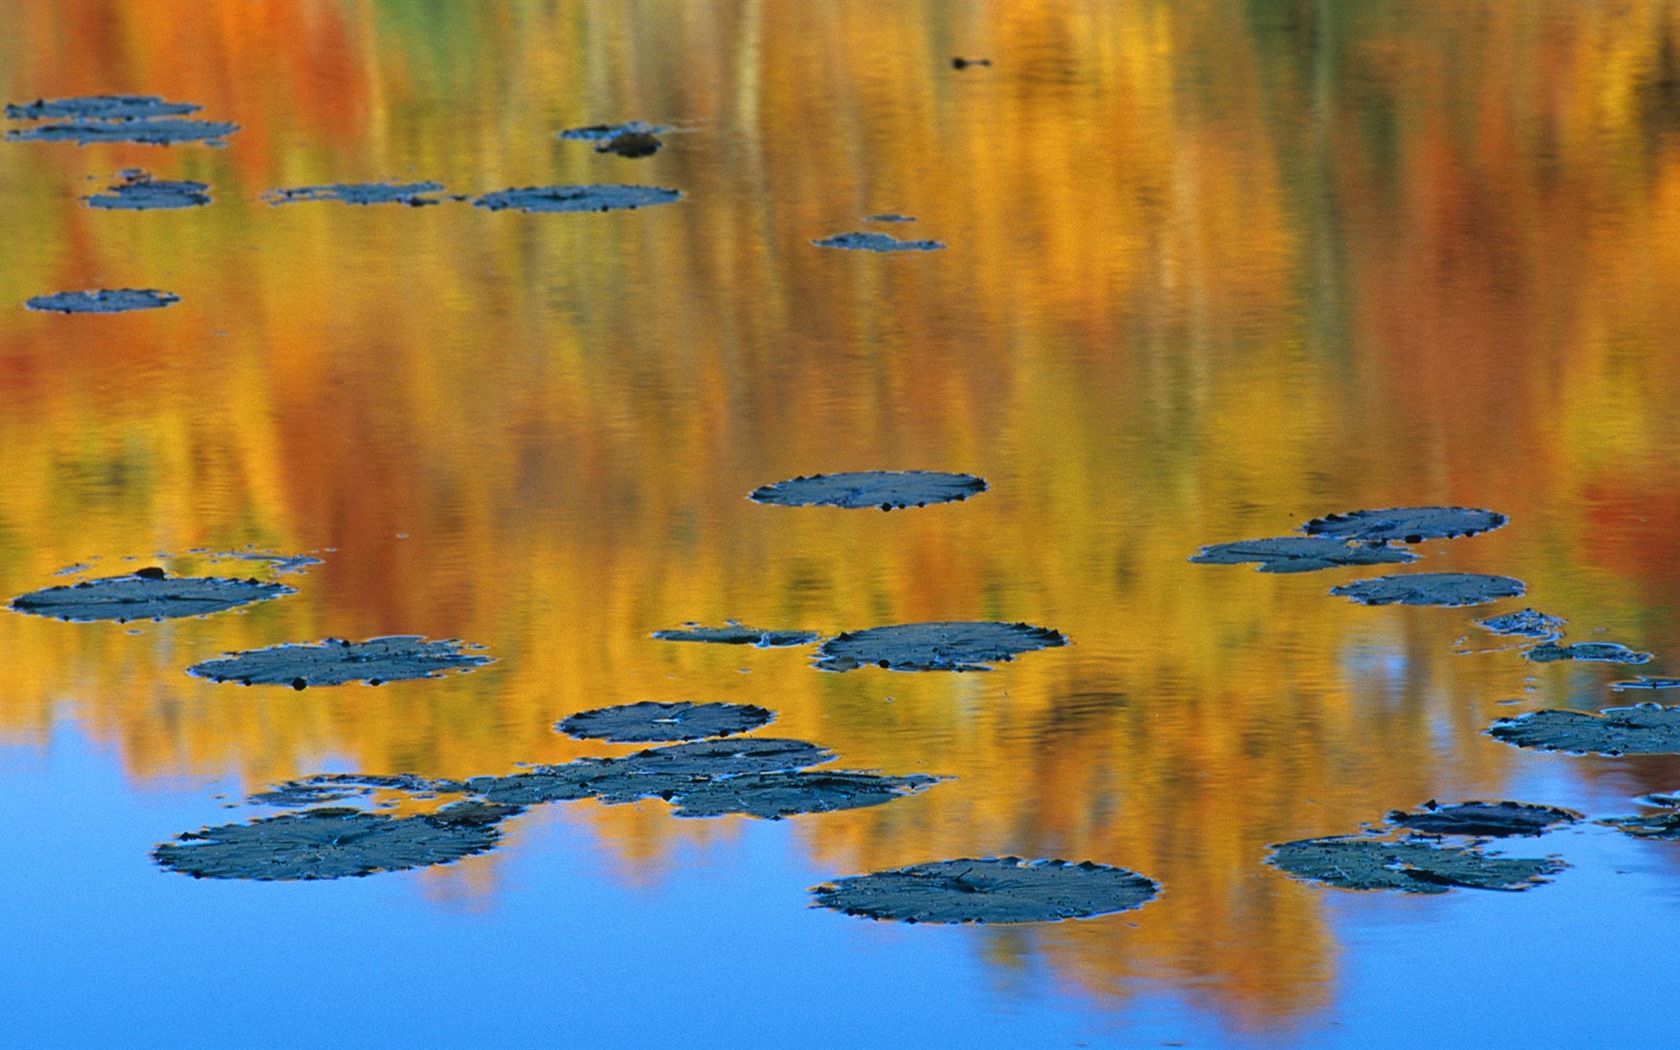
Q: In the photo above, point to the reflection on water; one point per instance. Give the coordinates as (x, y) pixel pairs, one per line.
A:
(1211, 271)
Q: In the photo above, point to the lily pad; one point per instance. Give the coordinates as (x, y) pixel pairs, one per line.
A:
(735, 634)
(1299, 554)
(101, 107)
(1644, 729)
(1431, 588)
(1525, 623)
(1412, 865)
(989, 890)
(1405, 524)
(1649, 826)
(773, 796)
(146, 132)
(608, 132)
(950, 646)
(103, 301)
(336, 661)
(334, 787)
(1484, 818)
(1598, 652)
(631, 144)
(413, 194)
(663, 772)
(649, 721)
(871, 489)
(876, 242)
(1642, 682)
(145, 595)
(577, 198)
(138, 191)
(333, 843)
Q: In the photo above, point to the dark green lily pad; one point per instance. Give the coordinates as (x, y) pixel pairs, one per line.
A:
(1644, 729)
(608, 132)
(334, 843)
(1405, 524)
(1299, 554)
(567, 783)
(1431, 588)
(103, 301)
(1484, 818)
(1649, 826)
(871, 489)
(145, 595)
(876, 242)
(146, 132)
(336, 661)
(773, 796)
(651, 722)
(735, 634)
(1412, 865)
(138, 191)
(951, 646)
(413, 194)
(989, 890)
(101, 107)
(1598, 652)
(577, 198)
(1642, 682)
(662, 772)
(1525, 623)
(335, 787)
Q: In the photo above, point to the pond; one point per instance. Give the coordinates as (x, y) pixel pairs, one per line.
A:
(441, 428)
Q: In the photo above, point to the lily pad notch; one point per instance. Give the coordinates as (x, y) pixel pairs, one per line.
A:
(1405, 524)
(1446, 589)
(649, 721)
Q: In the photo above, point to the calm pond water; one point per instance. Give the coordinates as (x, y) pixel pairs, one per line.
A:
(1211, 270)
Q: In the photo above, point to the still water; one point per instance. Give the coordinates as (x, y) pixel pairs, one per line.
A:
(1212, 269)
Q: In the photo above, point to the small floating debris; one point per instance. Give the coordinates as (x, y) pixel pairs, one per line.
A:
(650, 721)
(1597, 652)
(334, 843)
(1417, 864)
(1526, 623)
(1495, 819)
(138, 191)
(336, 661)
(577, 198)
(772, 796)
(735, 634)
(871, 489)
(148, 594)
(964, 63)
(632, 144)
(989, 890)
(890, 216)
(413, 194)
(1299, 554)
(281, 564)
(1650, 825)
(1642, 682)
(947, 646)
(103, 301)
(608, 132)
(145, 132)
(1448, 589)
(335, 787)
(101, 107)
(567, 783)
(1405, 524)
(876, 242)
(1644, 729)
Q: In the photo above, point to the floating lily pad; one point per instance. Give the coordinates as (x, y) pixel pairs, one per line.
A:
(1405, 524)
(1525, 623)
(1642, 682)
(334, 787)
(103, 301)
(663, 772)
(649, 721)
(138, 191)
(989, 890)
(333, 843)
(631, 144)
(1431, 588)
(1598, 652)
(608, 132)
(1484, 818)
(953, 646)
(1649, 826)
(1412, 865)
(146, 132)
(871, 489)
(413, 194)
(335, 662)
(776, 795)
(876, 242)
(1644, 729)
(1299, 554)
(735, 634)
(145, 595)
(577, 198)
(101, 107)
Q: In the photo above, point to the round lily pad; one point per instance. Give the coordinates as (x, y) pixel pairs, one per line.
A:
(1644, 729)
(138, 191)
(101, 107)
(773, 796)
(733, 633)
(577, 198)
(333, 843)
(876, 242)
(989, 890)
(413, 194)
(335, 662)
(952, 646)
(1495, 819)
(1405, 524)
(1597, 652)
(1412, 865)
(608, 132)
(1299, 554)
(1525, 623)
(1431, 588)
(102, 301)
(146, 595)
(649, 721)
(146, 132)
(871, 489)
